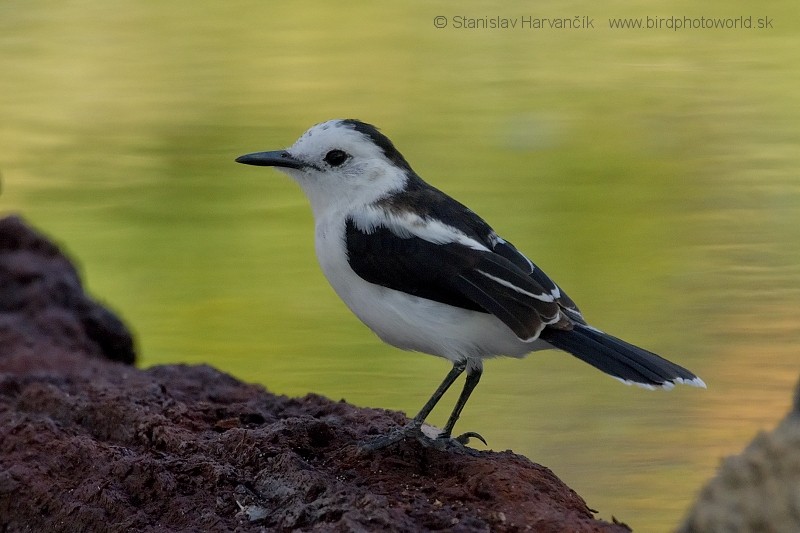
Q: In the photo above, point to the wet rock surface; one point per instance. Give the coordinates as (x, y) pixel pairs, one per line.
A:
(90, 443)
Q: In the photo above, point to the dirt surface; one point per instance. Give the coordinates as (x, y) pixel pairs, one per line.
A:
(90, 443)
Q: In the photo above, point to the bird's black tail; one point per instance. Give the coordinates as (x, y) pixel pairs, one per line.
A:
(626, 362)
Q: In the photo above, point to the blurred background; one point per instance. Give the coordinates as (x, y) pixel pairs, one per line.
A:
(652, 173)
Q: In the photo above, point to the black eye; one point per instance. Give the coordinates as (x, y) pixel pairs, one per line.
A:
(336, 157)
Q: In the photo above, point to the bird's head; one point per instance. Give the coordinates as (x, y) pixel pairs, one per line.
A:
(339, 163)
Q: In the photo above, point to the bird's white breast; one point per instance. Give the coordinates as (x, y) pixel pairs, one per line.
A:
(410, 322)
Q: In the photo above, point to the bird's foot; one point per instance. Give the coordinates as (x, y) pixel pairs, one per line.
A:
(425, 435)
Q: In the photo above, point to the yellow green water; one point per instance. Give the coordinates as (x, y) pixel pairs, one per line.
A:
(652, 173)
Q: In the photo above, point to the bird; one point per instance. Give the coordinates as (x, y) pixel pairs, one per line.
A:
(427, 274)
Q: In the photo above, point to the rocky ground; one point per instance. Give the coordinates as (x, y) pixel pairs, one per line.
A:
(89, 442)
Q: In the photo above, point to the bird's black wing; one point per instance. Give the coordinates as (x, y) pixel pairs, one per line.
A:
(430, 202)
(452, 273)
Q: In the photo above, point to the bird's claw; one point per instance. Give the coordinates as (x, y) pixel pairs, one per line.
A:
(463, 439)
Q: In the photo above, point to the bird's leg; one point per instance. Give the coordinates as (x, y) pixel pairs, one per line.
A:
(414, 428)
(457, 370)
(473, 377)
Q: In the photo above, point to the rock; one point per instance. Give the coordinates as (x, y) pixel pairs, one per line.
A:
(758, 490)
(88, 443)
(43, 306)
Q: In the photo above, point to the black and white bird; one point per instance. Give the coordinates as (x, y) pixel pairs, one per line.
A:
(426, 273)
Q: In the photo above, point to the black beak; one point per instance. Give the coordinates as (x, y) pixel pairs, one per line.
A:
(278, 158)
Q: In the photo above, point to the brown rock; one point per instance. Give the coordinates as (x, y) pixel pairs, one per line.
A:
(89, 444)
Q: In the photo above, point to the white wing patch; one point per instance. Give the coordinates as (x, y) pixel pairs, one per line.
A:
(406, 224)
